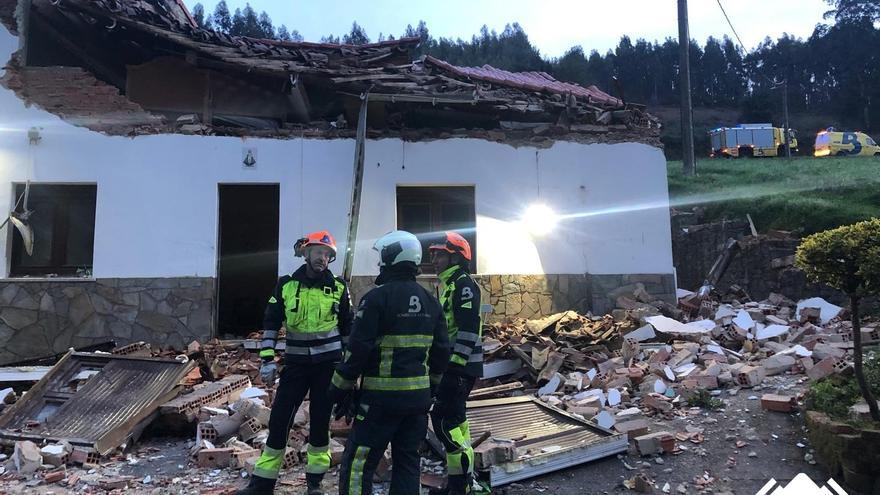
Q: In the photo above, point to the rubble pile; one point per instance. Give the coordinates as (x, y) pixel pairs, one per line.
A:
(663, 368)
(624, 373)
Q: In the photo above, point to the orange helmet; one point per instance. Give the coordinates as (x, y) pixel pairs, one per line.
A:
(320, 238)
(454, 244)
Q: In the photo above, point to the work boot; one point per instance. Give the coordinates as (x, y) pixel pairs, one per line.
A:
(258, 486)
(313, 484)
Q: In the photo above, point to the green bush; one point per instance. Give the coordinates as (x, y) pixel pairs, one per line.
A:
(835, 394)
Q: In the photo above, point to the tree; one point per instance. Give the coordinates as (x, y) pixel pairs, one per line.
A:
(854, 10)
(198, 14)
(238, 24)
(267, 30)
(221, 17)
(357, 35)
(848, 259)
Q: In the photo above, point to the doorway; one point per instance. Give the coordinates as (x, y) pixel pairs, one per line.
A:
(247, 267)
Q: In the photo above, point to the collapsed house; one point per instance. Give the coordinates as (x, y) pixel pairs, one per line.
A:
(170, 170)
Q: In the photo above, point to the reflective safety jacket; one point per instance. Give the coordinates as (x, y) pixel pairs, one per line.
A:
(460, 298)
(399, 344)
(316, 315)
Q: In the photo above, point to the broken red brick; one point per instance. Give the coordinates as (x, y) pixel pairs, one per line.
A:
(778, 403)
(53, 477)
(822, 369)
(658, 402)
(115, 483)
(215, 458)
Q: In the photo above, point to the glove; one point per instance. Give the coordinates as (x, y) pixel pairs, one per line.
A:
(343, 400)
(268, 372)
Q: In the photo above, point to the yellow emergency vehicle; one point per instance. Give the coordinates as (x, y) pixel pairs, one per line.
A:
(843, 143)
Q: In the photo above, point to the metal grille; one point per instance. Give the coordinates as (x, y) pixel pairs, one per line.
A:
(547, 439)
(122, 392)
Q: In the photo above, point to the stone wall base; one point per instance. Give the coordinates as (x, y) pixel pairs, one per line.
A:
(531, 296)
(43, 317)
(40, 318)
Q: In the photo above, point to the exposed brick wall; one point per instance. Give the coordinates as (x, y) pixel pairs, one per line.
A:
(78, 97)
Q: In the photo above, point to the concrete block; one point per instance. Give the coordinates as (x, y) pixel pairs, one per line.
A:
(585, 411)
(822, 351)
(750, 376)
(634, 428)
(26, 457)
(492, 452)
(778, 364)
(655, 443)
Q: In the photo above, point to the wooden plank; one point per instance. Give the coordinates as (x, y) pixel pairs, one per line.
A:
(497, 389)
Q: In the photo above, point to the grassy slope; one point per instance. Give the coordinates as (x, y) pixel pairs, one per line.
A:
(807, 195)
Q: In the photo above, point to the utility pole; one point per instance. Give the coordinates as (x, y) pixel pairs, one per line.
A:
(786, 130)
(684, 75)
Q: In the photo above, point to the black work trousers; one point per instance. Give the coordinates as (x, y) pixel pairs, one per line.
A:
(374, 427)
(296, 381)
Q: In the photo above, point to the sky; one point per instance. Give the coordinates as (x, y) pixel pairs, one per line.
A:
(553, 26)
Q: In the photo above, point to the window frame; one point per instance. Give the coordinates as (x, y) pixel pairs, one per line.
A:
(64, 197)
(435, 197)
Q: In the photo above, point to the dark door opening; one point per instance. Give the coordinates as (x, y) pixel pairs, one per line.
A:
(248, 256)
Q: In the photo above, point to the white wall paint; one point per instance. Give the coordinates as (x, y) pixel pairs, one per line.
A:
(157, 195)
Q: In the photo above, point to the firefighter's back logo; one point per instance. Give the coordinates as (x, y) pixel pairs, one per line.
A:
(801, 485)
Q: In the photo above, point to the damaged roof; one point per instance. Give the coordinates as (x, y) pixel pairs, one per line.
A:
(315, 86)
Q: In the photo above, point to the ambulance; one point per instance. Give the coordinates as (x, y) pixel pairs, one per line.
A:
(831, 142)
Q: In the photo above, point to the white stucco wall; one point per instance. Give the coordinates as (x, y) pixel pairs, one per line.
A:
(157, 195)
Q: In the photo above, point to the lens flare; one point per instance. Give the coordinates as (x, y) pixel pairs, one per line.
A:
(539, 219)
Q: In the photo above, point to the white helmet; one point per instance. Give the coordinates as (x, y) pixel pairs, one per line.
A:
(398, 246)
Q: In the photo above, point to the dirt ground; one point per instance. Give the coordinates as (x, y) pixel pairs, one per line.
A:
(775, 447)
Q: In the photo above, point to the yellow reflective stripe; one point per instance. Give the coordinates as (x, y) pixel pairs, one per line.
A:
(317, 459)
(341, 382)
(355, 479)
(396, 383)
(406, 341)
(269, 463)
(453, 464)
(458, 360)
(267, 353)
(386, 357)
(455, 461)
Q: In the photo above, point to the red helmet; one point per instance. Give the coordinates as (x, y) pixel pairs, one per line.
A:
(454, 244)
(321, 238)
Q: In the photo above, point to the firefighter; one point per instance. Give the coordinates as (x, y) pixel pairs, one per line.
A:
(398, 347)
(315, 308)
(460, 298)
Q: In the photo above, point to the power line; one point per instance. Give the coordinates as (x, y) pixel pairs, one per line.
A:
(774, 83)
(731, 27)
